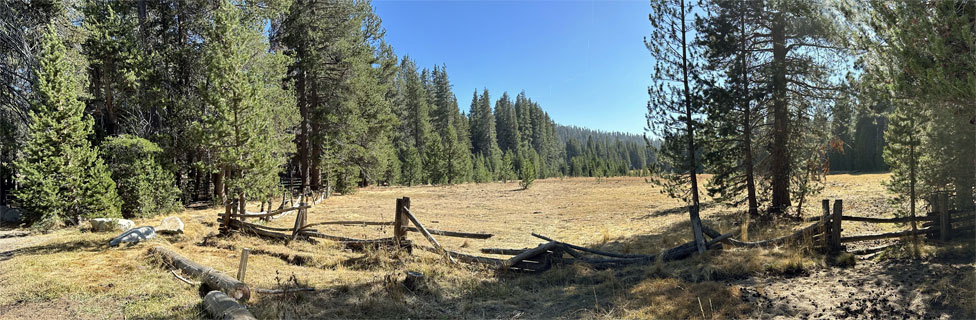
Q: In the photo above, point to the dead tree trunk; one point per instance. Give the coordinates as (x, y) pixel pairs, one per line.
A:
(212, 278)
(222, 307)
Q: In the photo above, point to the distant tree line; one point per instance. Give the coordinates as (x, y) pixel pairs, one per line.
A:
(132, 108)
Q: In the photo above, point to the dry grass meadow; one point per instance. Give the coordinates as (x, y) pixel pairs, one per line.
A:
(74, 274)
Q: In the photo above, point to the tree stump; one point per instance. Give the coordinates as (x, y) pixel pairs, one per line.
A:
(415, 281)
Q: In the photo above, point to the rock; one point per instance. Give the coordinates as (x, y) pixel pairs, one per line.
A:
(134, 236)
(170, 225)
(111, 224)
(11, 215)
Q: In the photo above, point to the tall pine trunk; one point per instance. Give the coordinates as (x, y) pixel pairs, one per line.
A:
(747, 121)
(692, 170)
(780, 152)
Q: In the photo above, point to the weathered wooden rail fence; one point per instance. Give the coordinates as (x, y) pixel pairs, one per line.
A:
(825, 231)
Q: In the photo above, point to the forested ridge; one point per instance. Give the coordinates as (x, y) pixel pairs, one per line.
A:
(222, 101)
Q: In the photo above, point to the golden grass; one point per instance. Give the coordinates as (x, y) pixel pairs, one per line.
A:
(621, 214)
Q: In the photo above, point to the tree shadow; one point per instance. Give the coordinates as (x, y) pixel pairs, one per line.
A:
(60, 247)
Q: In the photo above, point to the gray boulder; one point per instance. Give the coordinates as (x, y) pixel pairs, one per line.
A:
(170, 225)
(111, 224)
(134, 236)
(8, 214)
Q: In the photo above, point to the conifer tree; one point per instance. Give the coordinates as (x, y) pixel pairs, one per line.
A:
(60, 173)
(247, 109)
(526, 170)
(674, 111)
(902, 153)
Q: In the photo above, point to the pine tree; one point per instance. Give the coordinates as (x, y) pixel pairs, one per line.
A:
(145, 187)
(117, 65)
(60, 174)
(730, 130)
(526, 171)
(246, 107)
(673, 111)
(412, 168)
(902, 153)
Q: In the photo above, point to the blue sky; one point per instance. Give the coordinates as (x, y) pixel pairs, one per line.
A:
(583, 61)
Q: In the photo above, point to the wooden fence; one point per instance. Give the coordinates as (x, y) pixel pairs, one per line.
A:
(940, 222)
(826, 232)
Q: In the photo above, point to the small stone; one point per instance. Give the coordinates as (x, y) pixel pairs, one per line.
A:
(111, 224)
(170, 225)
(135, 235)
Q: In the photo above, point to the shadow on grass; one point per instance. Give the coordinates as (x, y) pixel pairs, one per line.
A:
(71, 246)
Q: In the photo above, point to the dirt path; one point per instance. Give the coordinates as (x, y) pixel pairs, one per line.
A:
(870, 290)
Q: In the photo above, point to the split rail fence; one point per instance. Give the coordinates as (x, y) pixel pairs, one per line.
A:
(825, 232)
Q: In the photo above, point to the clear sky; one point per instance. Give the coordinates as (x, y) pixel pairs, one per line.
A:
(583, 61)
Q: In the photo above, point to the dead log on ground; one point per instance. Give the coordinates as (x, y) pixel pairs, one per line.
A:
(593, 251)
(222, 307)
(541, 249)
(213, 278)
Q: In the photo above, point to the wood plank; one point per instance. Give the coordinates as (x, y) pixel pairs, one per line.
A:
(265, 214)
(885, 220)
(454, 233)
(423, 231)
(886, 235)
(507, 252)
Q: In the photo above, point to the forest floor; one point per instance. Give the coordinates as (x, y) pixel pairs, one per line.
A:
(74, 274)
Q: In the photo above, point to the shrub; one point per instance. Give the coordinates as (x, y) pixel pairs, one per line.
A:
(146, 189)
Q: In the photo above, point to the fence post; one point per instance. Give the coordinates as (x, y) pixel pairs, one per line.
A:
(398, 222)
(835, 227)
(825, 221)
(242, 267)
(945, 226)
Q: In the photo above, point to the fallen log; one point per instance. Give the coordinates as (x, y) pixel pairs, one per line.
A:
(593, 251)
(676, 253)
(454, 233)
(248, 227)
(213, 278)
(886, 235)
(524, 265)
(222, 307)
(541, 249)
(808, 231)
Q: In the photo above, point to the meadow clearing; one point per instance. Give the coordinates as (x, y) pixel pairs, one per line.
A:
(74, 274)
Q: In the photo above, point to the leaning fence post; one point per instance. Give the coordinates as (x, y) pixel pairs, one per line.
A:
(825, 222)
(835, 227)
(242, 267)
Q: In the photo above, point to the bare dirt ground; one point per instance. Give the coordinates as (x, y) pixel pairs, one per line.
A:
(72, 274)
